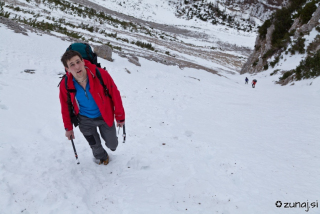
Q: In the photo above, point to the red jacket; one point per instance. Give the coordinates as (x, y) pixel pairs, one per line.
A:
(109, 108)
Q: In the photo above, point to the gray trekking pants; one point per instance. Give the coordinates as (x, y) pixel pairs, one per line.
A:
(88, 127)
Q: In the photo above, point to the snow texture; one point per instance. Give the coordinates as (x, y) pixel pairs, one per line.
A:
(196, 142)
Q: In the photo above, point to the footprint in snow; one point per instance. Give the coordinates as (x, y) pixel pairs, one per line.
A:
(188, 133)
(3, 107)
(136, 164)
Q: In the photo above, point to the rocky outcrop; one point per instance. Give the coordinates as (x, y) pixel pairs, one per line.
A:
(134, 60)
(256, 62)
(104, 51)
(131, 58)
(313, 22)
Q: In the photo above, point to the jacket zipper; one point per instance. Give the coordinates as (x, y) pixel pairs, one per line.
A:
(86, 94)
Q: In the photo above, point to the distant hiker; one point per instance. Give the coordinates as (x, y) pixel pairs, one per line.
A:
(254, 82)
(83, 97)
(246, 80)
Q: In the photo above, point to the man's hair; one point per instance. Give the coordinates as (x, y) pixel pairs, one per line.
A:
(68, 55)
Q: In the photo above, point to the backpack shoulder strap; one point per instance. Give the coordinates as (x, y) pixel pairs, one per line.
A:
(66, 83)
(102, 83)
(72, 115)
(64, 76)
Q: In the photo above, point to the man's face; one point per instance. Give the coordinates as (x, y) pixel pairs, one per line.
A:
(76, 68)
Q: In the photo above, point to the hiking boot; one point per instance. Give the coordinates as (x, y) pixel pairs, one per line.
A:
(104, 161)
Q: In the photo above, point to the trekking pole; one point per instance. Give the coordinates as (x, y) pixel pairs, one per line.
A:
(124, 133)
(74, 149)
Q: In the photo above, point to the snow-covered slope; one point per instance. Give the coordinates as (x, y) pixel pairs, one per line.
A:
(158, 11)
(196, 142)
(175, 41)
(170, 11)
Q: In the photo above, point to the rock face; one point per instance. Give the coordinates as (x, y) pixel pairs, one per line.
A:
(104, 51)
(313, 22)
(255, 62)
(258, 59)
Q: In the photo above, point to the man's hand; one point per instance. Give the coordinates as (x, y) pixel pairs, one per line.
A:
(120, 124)
(69, 134)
